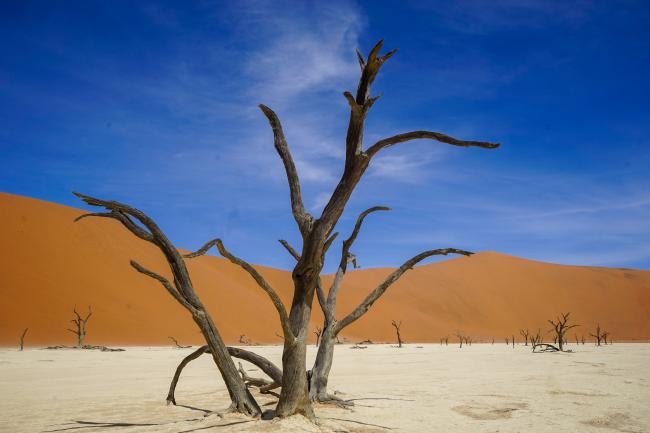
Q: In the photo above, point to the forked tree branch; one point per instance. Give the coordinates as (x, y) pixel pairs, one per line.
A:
(361, 103)
(153, 234)
(302, 217)
(345, 259)
(394, 276)
(415, 135)
(259, 279)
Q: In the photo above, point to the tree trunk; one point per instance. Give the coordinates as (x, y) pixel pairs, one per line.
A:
(242, 400)
(322, 366)
(294, 398)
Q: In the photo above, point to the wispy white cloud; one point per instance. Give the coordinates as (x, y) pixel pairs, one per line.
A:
(306, 48)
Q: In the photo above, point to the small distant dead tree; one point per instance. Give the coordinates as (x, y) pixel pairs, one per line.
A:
(507, 341)
(80, 325)
(560, 327)
(461, 338)
(536, 339)
(513, 341)
(177, 344)
(492, 340)
(605, 335)
(577, 341)
(443, 340)
(582, 339)
(524, 333)
(318, 332)
(468, 341)
(598, 335)
(244, 340)
(22, 339)
(397, 327)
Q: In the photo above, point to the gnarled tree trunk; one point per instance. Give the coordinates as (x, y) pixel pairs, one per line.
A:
(317, 236)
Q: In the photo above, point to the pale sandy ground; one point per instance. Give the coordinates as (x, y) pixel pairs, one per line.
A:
(482, 388)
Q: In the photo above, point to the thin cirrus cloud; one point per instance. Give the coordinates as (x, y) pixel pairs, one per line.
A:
(169, 108)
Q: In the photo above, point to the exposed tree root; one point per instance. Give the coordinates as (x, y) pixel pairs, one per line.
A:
(330, 399)
(262, 363)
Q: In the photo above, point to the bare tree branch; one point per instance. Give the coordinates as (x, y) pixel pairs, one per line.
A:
(165, 283)
(345, 259)
(437, 136)
(302, 217)
(295, 254)
(259, 279)
(394, 276)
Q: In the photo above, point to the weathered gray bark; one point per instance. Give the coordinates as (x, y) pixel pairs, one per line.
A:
(182, 291)
(80, 325)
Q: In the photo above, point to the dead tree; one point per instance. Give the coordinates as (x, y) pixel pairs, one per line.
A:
(22, 339)
(397, 327)
(605, 334)
(445, 339)
(461, 339)
(492, 340)
(536, 339)
(598, 335)
(317, 235)
(576, 337)
(582, 339)
(560, 327)
(513, 341)
(176, 343)
(244, 340)
(524, 333)
(507, 341)
(318, 333)
(80, 326)
(182, 290)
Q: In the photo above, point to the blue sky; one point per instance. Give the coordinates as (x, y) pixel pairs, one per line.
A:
(154, 104)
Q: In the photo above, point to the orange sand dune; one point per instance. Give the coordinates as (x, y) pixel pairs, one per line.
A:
(48, 264)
